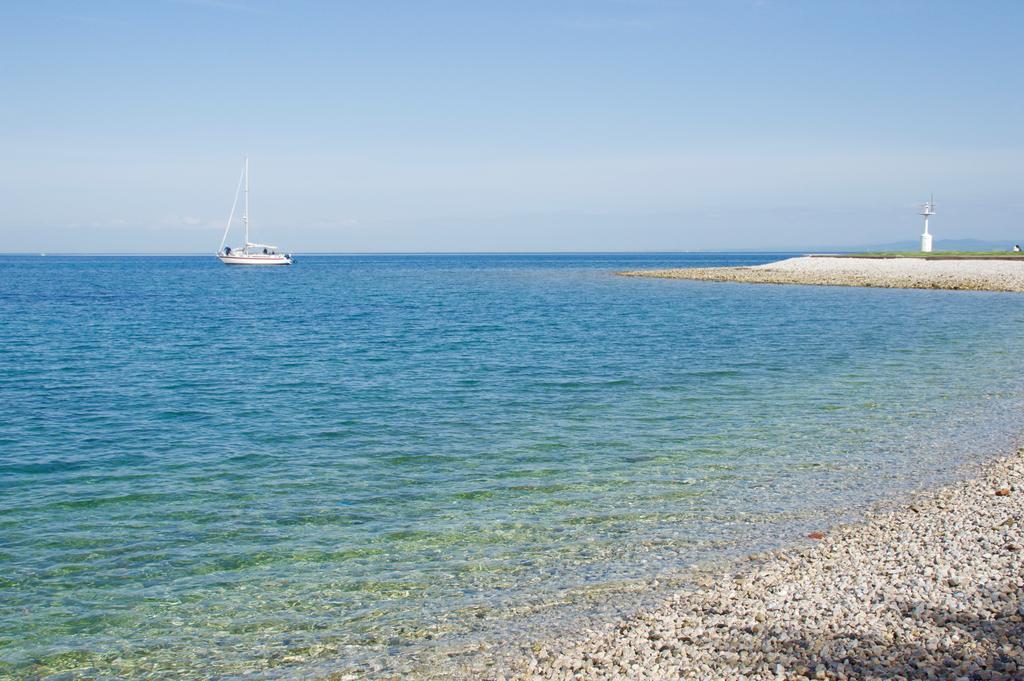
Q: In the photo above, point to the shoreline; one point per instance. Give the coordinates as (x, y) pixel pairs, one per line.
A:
(947, 274)
(929, 586)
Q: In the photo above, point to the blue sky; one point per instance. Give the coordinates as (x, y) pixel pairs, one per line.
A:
(523, 126)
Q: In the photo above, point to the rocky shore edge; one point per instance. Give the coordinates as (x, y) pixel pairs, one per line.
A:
(933, 589)
(969, 275)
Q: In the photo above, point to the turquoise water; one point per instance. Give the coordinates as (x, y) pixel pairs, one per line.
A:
(369, 463)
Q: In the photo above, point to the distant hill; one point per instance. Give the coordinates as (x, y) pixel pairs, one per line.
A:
(939, 245)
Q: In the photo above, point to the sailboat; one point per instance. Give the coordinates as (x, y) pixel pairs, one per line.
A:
(251, 253)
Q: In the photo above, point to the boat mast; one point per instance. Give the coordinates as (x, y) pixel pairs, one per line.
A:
(245, 217)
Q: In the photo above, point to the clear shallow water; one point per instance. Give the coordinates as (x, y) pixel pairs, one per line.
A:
(360, 462)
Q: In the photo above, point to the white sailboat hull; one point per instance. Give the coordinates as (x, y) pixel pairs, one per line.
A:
(254, 259)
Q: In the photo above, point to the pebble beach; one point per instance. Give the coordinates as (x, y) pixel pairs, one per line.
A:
(930, 589)
(975, 275)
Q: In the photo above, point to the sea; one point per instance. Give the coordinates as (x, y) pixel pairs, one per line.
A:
(397, 465)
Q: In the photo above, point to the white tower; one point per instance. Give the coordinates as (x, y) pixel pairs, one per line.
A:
(927, 210)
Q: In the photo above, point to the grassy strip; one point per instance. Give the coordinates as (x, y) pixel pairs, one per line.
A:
(936, 255)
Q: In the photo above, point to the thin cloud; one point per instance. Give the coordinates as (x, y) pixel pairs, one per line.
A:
(91, 20)
(190, 222)
(223, 4)
(601, 25)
